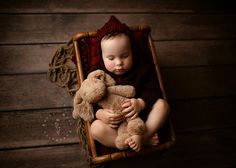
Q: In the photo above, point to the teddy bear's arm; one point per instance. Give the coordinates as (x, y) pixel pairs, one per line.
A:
(122, 90)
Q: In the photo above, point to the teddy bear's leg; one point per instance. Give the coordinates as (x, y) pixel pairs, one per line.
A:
(136, 126)
(122, 136)
(122, 128)
(120, 141)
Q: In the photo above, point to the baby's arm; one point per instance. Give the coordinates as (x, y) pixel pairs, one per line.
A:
(108, 117)
(132, 107)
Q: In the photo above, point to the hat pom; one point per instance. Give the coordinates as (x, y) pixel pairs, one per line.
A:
(113, 25)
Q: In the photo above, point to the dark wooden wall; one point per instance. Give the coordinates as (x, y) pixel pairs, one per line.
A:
(195, 42)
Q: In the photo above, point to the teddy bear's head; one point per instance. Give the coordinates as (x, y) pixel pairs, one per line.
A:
(91, 91)
(94, 87)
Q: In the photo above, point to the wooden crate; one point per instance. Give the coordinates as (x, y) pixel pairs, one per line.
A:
(99, 154)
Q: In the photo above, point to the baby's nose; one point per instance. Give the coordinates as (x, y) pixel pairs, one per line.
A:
(119, 62)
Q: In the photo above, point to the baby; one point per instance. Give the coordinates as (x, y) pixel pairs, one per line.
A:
(121, 63)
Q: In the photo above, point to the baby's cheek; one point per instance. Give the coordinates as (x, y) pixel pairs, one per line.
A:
(109, 65)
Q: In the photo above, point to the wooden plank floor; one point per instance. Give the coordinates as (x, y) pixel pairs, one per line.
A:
(196, 46)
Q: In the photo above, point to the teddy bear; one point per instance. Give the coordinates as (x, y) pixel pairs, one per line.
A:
(99, 88)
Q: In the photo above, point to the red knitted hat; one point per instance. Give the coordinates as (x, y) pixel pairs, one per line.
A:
(113, 25)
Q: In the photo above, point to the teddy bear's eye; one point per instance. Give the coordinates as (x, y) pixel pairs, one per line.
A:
(99, 77)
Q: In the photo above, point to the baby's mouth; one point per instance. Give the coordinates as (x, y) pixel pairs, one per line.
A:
(119, 70)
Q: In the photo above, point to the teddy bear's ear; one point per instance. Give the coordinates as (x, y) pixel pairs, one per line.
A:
(82, 109)
(101, 75)
(97, 74)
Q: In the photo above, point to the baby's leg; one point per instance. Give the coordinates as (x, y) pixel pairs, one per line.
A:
(155, 120)
(153, 141)
(103, 133)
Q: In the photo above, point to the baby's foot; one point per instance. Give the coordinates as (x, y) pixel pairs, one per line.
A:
(154, 140)
(134, 142)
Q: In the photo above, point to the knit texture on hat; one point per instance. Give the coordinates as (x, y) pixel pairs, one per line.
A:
(113, 25)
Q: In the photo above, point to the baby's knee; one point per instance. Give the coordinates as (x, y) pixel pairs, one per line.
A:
(162, 104)
(97, 128)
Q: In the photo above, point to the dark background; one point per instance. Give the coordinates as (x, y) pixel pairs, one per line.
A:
(195, 43)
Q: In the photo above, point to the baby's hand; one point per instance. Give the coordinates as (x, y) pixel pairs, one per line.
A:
(132, 107)
(109, 117)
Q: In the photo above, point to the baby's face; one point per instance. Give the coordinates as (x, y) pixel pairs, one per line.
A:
(117, 54)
